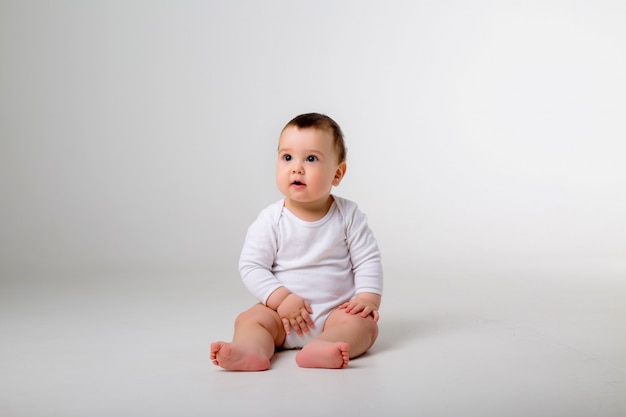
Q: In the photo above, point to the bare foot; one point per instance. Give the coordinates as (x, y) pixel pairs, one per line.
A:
(323, 354)
(235, 358)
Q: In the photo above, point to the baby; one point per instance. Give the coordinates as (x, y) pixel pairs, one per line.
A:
(311, 260)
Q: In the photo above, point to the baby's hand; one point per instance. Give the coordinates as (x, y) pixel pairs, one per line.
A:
(364, 307)
(294, 312)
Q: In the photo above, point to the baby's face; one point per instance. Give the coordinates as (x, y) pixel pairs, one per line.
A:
(308, 165)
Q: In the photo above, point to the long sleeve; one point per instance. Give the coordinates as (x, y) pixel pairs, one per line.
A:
(364, 252)
(257, 257)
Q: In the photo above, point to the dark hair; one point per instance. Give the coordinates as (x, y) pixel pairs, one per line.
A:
(323, 122)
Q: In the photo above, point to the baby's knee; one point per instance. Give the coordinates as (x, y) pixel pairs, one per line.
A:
(371, 326)
(364, 324)
(259, 314)
(244, 317)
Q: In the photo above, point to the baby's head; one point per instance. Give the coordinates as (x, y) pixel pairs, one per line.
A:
(325, 123)
(311, 160)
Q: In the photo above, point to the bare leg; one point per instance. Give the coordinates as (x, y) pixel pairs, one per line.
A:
(257, 333)
(345, 336)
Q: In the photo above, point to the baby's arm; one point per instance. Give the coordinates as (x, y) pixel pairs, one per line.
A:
(293, 310)
(366, 265)
(364, 303)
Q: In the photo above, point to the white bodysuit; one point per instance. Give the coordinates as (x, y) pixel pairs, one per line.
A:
(326, 262)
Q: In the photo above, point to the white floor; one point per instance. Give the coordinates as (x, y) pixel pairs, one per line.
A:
(453, 342)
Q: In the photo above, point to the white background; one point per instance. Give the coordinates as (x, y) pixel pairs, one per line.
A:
(486, 144)
(142, 135)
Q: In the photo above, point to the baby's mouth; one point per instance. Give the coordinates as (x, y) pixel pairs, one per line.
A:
(297, 183)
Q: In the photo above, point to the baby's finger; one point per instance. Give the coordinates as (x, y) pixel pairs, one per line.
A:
(286, 325)
(356, 308)
(308, 320)
(302, 327)
(370, 311)
(348, 306)
(375, 315)
(296, 326)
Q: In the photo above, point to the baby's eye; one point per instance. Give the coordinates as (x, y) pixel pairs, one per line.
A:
(311, 158)
(286, 157)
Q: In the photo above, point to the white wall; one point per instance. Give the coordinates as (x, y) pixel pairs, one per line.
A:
(141, 135)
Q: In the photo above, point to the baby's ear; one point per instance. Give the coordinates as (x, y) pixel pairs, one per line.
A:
(340, 173)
